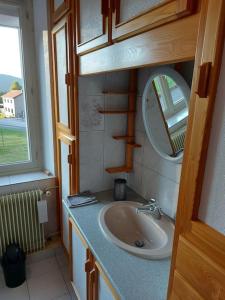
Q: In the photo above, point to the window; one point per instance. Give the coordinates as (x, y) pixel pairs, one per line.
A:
(171, 98)
(19, 130)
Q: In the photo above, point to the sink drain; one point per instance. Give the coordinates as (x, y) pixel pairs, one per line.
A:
(139, 243)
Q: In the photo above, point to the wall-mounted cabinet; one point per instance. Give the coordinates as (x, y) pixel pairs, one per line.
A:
(88, 279)
(62, 39)
(92, 25)
(102, 22)
(59, 8)
(133, 17)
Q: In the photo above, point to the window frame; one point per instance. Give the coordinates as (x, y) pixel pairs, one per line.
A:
(167, 100)
(29, 71)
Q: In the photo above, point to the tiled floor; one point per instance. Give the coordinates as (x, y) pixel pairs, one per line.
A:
(47, 279)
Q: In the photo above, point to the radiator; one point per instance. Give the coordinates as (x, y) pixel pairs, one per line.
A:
(178, 139)
(19, 221)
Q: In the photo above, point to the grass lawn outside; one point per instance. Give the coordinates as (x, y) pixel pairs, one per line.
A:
(13, 146)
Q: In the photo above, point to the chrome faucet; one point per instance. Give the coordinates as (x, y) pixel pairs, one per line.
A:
(152, 208)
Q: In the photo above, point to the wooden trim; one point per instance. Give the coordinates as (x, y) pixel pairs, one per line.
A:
(49, 17)
(158, 15)
(101, 273)
(61, 10)
(171, 43)
(209, 49)
(163, 117)
(122, 169)
(78, 233)
(131, 118)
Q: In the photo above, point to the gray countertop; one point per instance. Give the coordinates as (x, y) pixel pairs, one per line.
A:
(132, 277)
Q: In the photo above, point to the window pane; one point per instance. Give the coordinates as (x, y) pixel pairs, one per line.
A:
(14, 145)
(175, 91)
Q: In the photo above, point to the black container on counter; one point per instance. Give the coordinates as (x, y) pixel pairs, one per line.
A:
(120, 189)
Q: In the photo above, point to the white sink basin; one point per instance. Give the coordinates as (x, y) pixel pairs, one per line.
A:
(139, 234)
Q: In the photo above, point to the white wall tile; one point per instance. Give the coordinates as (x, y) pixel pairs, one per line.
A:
(162, 189)
(91, 85)
(90, 118)
(117, 81)
(91, 146)
(91, 177)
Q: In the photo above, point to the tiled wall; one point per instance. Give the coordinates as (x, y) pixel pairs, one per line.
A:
(153, 176)
(97, 148)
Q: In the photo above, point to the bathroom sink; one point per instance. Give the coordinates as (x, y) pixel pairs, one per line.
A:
(139, 234)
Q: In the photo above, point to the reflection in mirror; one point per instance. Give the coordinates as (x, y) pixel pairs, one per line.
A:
(165, 112)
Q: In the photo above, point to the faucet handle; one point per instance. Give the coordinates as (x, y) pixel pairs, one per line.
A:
(152, 201)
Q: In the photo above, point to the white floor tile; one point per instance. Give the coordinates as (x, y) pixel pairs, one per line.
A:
(2, 280)
(42, 267)
(66, 277)
(62, 260)
(19, 293)
(47, 287)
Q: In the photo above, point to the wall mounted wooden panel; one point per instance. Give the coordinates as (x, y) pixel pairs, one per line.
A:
(199, 251)
(93, 25)
(145, 15)
(170, 43)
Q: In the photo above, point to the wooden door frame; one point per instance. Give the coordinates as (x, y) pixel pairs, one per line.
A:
(188, 226)
(158, 15)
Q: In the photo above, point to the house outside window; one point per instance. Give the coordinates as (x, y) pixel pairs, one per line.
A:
(20, 148)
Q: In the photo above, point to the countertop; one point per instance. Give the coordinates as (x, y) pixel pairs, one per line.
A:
(132, 277)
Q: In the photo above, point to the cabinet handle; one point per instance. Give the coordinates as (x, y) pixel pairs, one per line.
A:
(104, 8)
(92, 276)
(203, 79)
(87, 266)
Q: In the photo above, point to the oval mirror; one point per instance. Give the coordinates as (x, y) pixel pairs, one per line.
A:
(165, 112)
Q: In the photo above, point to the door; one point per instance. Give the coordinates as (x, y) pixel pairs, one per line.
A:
(66, 173)
(102, 288)
(66, 116)
(198, 261)
(59, 8)
(133, 17)
(92, 25)
(81, 261)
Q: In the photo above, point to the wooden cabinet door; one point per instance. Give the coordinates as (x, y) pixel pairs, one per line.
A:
(80, 263)
(102, 288)
(198, 260)
(65, 149)
(59, 8)
(92, 25)
(62, 39)
(133, 17)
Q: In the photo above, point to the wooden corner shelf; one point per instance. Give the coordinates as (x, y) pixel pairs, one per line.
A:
(134, 145)
(122, 169)
(130, 112)
(114, 93)
(114, 112)
(122, 137)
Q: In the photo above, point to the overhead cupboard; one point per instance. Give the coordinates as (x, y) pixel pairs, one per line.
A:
(102, 22)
